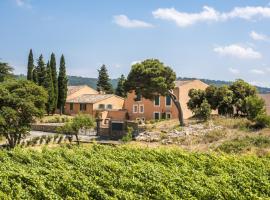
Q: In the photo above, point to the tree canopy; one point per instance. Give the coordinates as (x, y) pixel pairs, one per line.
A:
(62, 85)
(30, 66)
(20, 102)
(103, 83)
(151, 78)
(120, 89)
(5, 71)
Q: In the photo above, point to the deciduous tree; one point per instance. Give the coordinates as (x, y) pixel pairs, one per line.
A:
(241, 90)
(20, 102)
(81, 121)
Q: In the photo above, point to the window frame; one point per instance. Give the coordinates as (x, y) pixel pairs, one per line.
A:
(167, 96)
(71, 106)
(158, 101)
(154, 115)
(168, 113)
(111, 107)
(99, 106)
(141, 106)
(83, 107)
(133, 110)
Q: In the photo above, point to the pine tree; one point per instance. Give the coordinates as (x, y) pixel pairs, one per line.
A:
(41, 70)
(54, 79)
(103, 84)
(120, 90)
(30, 66)
(48, 85)
(62, 85)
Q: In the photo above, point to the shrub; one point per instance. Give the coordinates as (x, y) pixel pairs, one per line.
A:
(254, 106)
(55, 138)
(203, 112)
(79, 122)
(239, 145)
(60, 139)
(262, 121)
(48, 139)
(128, 136)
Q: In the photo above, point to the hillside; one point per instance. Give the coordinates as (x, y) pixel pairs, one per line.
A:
(78, 80)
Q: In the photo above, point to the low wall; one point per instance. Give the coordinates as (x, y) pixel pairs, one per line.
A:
(46, 127)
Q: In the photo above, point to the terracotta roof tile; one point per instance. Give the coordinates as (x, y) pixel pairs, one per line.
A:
(73, 89)
(89, 98)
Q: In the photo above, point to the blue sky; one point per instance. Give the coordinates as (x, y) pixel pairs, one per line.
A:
(215, 39)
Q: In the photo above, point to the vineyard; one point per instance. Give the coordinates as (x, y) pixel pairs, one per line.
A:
(124, 172)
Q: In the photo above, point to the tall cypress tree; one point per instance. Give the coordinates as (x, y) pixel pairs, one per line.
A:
(62, 85)
(41, 70)
(54, 80)
(120, 90)
(48, 85)
(103, 83)
(30, 66)
(35, 75)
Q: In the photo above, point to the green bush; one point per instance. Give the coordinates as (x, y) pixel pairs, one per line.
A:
(203, 112)
(239, 145)
(254, 106)
(128, 136)
(262, 121)
(103, 172)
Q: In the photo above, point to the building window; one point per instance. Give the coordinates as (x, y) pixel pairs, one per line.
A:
(135, 108)
(168, 115)
(157, 101)
(138, 97)
(156, 115)
(82, 107)
(71, 106)
(168, 101)
(109, 106)
(101, 106)
(141, 109)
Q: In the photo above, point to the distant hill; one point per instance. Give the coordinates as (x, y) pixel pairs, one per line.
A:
(218, 83)
(78, 80)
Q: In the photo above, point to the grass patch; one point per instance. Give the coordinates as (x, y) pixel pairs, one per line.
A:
(103, 172)
(240, 145)
(242, 124)
(214, 135)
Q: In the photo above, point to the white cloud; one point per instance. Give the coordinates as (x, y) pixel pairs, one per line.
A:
(183, 19)
(256, 71)
(234, 71)
(19, 2)
(209, 14)
(23, 3)
(134, 62)
(238, 51)
(257, 36)
(124, 21)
